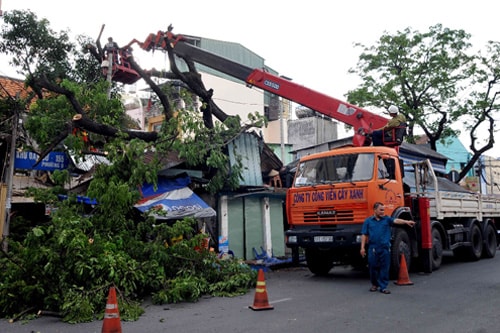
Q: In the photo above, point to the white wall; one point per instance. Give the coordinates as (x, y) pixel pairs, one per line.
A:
(234, 98)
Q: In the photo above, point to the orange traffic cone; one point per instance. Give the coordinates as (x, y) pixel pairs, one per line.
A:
(111, 322)
(403, 278)
(260, 301)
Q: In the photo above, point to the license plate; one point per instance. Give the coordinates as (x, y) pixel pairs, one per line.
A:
(323, 239)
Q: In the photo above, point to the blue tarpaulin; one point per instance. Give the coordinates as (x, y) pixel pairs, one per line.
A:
(79, 199)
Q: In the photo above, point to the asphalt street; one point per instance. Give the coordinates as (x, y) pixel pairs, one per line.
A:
(459, 297)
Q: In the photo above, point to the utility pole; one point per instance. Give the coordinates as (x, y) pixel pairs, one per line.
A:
(10, 175)
(110, 74)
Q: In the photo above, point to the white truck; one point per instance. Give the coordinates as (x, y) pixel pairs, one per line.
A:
(462, 221)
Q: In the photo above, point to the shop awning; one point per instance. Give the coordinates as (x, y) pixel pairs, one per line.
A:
(173, 200)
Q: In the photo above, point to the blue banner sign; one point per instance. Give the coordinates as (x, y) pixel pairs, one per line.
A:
(53, 161)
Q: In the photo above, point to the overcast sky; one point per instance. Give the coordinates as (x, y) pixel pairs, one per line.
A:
(308, 41)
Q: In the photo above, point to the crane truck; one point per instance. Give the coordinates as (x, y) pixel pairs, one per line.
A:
(334, 191)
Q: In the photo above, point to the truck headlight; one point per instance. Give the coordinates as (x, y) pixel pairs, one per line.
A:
(292, 239)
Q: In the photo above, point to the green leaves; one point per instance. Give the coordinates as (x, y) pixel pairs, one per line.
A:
(442, 85)
(68, 265)
(423, 73)
(34, 46)
(68, 262)
(184, 288)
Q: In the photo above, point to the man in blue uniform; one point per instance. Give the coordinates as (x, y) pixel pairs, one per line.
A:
(376, 232)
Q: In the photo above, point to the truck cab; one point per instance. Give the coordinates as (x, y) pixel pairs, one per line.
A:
(351, 178)
(333, 193)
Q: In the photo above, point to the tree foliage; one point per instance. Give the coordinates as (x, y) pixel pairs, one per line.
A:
(35, 48)
(422, 73)
(481, 105)
(435, 78)
(52, 115)
(68, 263)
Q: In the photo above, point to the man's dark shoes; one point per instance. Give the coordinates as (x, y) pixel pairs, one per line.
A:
(385, 291)
(373, 288)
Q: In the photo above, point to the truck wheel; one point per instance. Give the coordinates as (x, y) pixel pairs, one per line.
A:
(475, 251)
(437, 249)
(490, 242)
(319, 262)
(400, 245)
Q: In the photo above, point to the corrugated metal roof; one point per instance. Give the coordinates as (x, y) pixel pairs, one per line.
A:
(229, 50)
(232, 51)
(247, 146)
(414, 153)
(257, 158)
(422, 150)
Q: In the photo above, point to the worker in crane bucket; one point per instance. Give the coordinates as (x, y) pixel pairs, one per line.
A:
(397, 119)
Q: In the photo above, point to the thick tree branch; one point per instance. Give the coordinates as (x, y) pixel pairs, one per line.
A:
(98, 43)
(45, 83)
(62, 135)
(87, 124)
(95, 53)
(193, 80)
(161, 95)
(83, 122)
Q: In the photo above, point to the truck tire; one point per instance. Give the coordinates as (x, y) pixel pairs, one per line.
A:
(475, 251)
(319, 262)
(400, 245)
(437, 249)
(490, 242)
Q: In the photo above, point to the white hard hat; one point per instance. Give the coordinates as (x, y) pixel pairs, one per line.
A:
(393, 109)
(273, 173)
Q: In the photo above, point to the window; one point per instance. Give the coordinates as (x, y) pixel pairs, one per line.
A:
(335, 169)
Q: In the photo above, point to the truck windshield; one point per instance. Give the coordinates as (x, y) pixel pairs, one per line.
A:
(335, 169)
